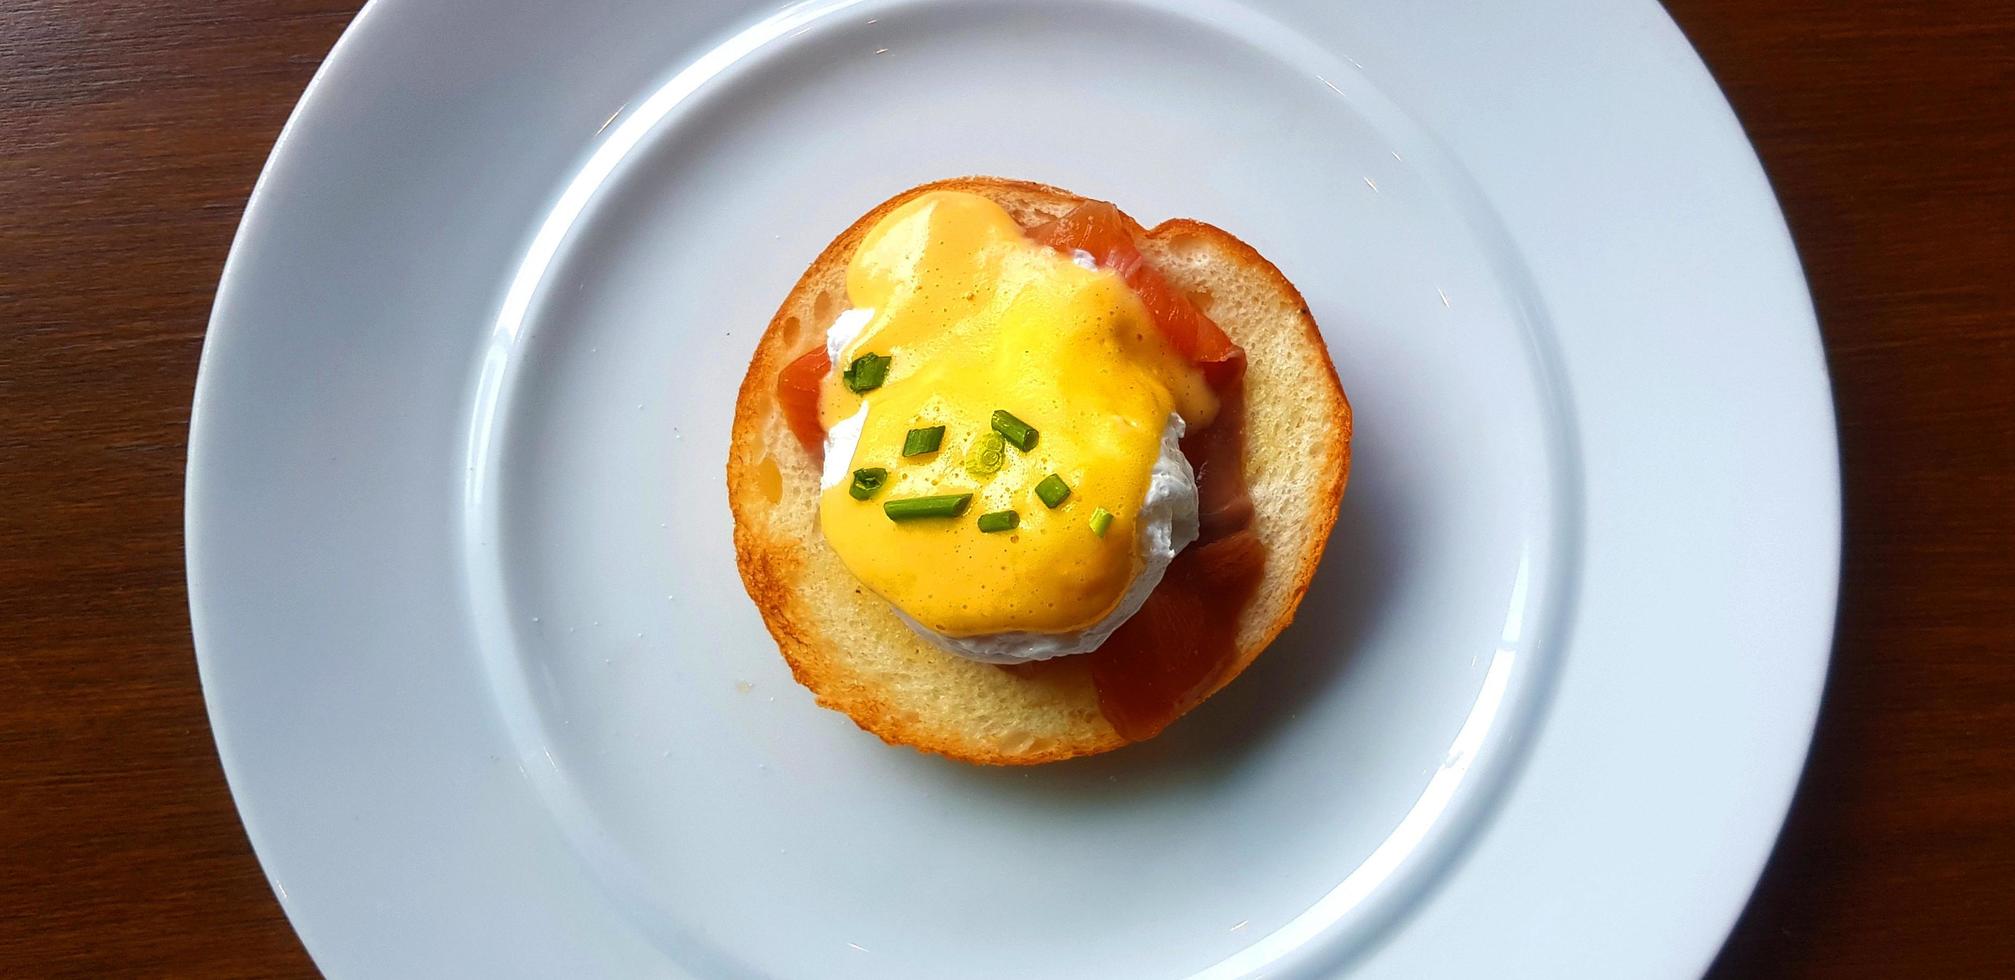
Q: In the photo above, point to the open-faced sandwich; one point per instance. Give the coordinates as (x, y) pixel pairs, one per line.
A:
(1015, 479)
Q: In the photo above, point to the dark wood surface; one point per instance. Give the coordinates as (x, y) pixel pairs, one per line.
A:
(131, 131)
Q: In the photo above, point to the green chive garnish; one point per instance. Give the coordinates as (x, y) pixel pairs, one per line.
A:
(1014, 430)
(987, 454)
(866, 373)
(1000, 520)
(1052, 490)
(925, 440)
(867, 481)
(1100, 520)
(912, 508)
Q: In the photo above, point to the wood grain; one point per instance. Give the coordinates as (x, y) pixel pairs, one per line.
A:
(1888, 130)
(131, 131)
(130, 134)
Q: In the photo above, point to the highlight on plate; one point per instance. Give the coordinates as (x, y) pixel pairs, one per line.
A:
(1015, 479)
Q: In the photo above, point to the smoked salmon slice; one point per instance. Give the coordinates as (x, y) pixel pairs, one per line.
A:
(1098, 229)
(1172, 652)
(798, 396)
(1169, 655)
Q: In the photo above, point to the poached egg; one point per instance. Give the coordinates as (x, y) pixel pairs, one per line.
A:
(975, 319)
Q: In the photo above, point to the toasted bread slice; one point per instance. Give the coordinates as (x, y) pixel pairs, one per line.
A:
(846, 644)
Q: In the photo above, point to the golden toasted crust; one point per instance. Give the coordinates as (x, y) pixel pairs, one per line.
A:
(846, 644)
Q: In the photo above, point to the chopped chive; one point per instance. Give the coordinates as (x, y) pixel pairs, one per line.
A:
(924, 440)
(1052, 490)
(867, 481)
(1014, 430)
(1000, 520)
(866, 373)
(1100, 520)
(987, 454)
(912, 508)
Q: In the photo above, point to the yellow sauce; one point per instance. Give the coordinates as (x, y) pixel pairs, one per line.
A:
(978, 318)
(770, 479)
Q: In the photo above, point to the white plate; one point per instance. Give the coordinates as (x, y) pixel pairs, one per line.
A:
(493, 702)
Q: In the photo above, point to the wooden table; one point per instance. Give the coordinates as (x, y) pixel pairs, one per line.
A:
(131, 131)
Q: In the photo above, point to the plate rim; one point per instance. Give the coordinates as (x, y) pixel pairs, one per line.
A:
(220, 329)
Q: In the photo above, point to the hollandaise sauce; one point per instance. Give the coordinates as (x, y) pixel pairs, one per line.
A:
(992, 349)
